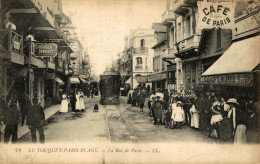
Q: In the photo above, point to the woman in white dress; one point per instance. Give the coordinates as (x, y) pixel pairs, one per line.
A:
(78, 106)
(194, 117)
(81, 100)
(64, 104)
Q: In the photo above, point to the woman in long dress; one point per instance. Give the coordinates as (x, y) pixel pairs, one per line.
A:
(78, 106)
(64, 103)
(194, 117)
(81, 100)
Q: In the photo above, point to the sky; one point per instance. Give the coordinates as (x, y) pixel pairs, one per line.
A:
(103, 24)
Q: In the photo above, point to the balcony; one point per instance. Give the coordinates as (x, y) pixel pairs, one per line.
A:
(61, 33)
(59, 65)
(11, 46)
(50, 65)
(181, 7)
(38, 62)
(74, 56)
(191, 42)
(167, 17)
(140, 50)
(138, 67)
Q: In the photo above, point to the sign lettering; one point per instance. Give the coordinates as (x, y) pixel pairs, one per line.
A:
(45, 50)
(213, 15)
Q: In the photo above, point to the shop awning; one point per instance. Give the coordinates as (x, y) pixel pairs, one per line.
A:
(241, 57)
(74, 80)
(82, 80)
(59, 81)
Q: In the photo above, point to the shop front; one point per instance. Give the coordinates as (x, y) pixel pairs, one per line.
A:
(158, 80)
(171, 71)
(236, 72)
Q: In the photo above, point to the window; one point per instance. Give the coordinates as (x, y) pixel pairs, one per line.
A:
(179, 31)
(142, 42)
(187, 26)
(218, 39)
(139, 62)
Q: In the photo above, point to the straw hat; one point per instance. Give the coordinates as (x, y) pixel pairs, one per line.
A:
(232, 101)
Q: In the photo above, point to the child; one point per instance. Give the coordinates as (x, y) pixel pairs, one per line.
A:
(178, 115)
(95, 108)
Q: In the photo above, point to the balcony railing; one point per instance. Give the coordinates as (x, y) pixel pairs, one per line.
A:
(140, 50)
(189, 42)
(139, 67)
(168, 15)
(60, 32)
(11, 46)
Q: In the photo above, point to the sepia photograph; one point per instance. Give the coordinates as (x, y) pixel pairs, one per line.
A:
(129, 81)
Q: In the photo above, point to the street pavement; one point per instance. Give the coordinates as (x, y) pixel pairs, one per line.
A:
(113, 123)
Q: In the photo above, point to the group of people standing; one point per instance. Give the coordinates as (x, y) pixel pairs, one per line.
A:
(76, 100)
(230, 120)
(10, 116)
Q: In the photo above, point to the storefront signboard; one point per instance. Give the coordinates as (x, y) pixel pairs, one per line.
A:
(244, 79)
(157, 77)
(141, 79)
(45, 49)
(212, 15)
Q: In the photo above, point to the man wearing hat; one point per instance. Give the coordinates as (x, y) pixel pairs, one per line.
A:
(25, 106)
(35, 120)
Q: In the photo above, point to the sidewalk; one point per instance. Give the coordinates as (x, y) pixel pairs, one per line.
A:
(22, 130)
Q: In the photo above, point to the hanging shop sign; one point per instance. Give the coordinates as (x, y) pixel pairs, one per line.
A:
(245, 79)
(45, 49)
(157, 77)
(212, 15)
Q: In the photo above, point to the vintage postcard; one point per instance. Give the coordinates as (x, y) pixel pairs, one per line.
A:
(129, 81)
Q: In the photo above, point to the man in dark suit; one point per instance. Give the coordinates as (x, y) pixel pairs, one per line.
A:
(35, 121)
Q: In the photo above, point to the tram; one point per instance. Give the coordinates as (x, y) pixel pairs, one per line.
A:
(109, 88)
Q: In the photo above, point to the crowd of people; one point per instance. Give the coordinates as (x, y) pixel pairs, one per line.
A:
(227, 119)
(10, 112)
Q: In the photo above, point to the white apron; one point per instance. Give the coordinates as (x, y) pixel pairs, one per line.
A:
(78, 107)
(64, 104)
(194, 117)
(81, 101)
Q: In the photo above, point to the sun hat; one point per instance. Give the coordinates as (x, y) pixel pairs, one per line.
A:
(232, 101)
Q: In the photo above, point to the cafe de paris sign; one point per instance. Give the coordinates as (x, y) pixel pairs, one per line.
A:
(215, 15)
(45, 49)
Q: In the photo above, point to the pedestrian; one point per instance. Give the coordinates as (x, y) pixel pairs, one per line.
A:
(241, 121)
(73, 101)
(134, 97)
(178, 115)
(150, 100)
(64, 103)
(78, 106)
(186, 108)
(130, 95)
(81, 100)
(36, 120)
(215, 120)
(25, 106)
(224, 106)
(2, 110)
(232, 102)
(11, 118)
(194, 117)
(141, 102)
(158, 109)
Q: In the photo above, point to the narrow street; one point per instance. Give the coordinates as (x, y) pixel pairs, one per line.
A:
(113, 123)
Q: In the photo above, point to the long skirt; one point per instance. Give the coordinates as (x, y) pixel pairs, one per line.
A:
(64, 106)
(240, 135)
(81, 101)
(78, 106)
(225, 129)
(158, 113)
(195, 120)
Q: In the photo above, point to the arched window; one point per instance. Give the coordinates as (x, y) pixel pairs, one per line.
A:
(142, 42)
(139, 61)
(187, 26)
